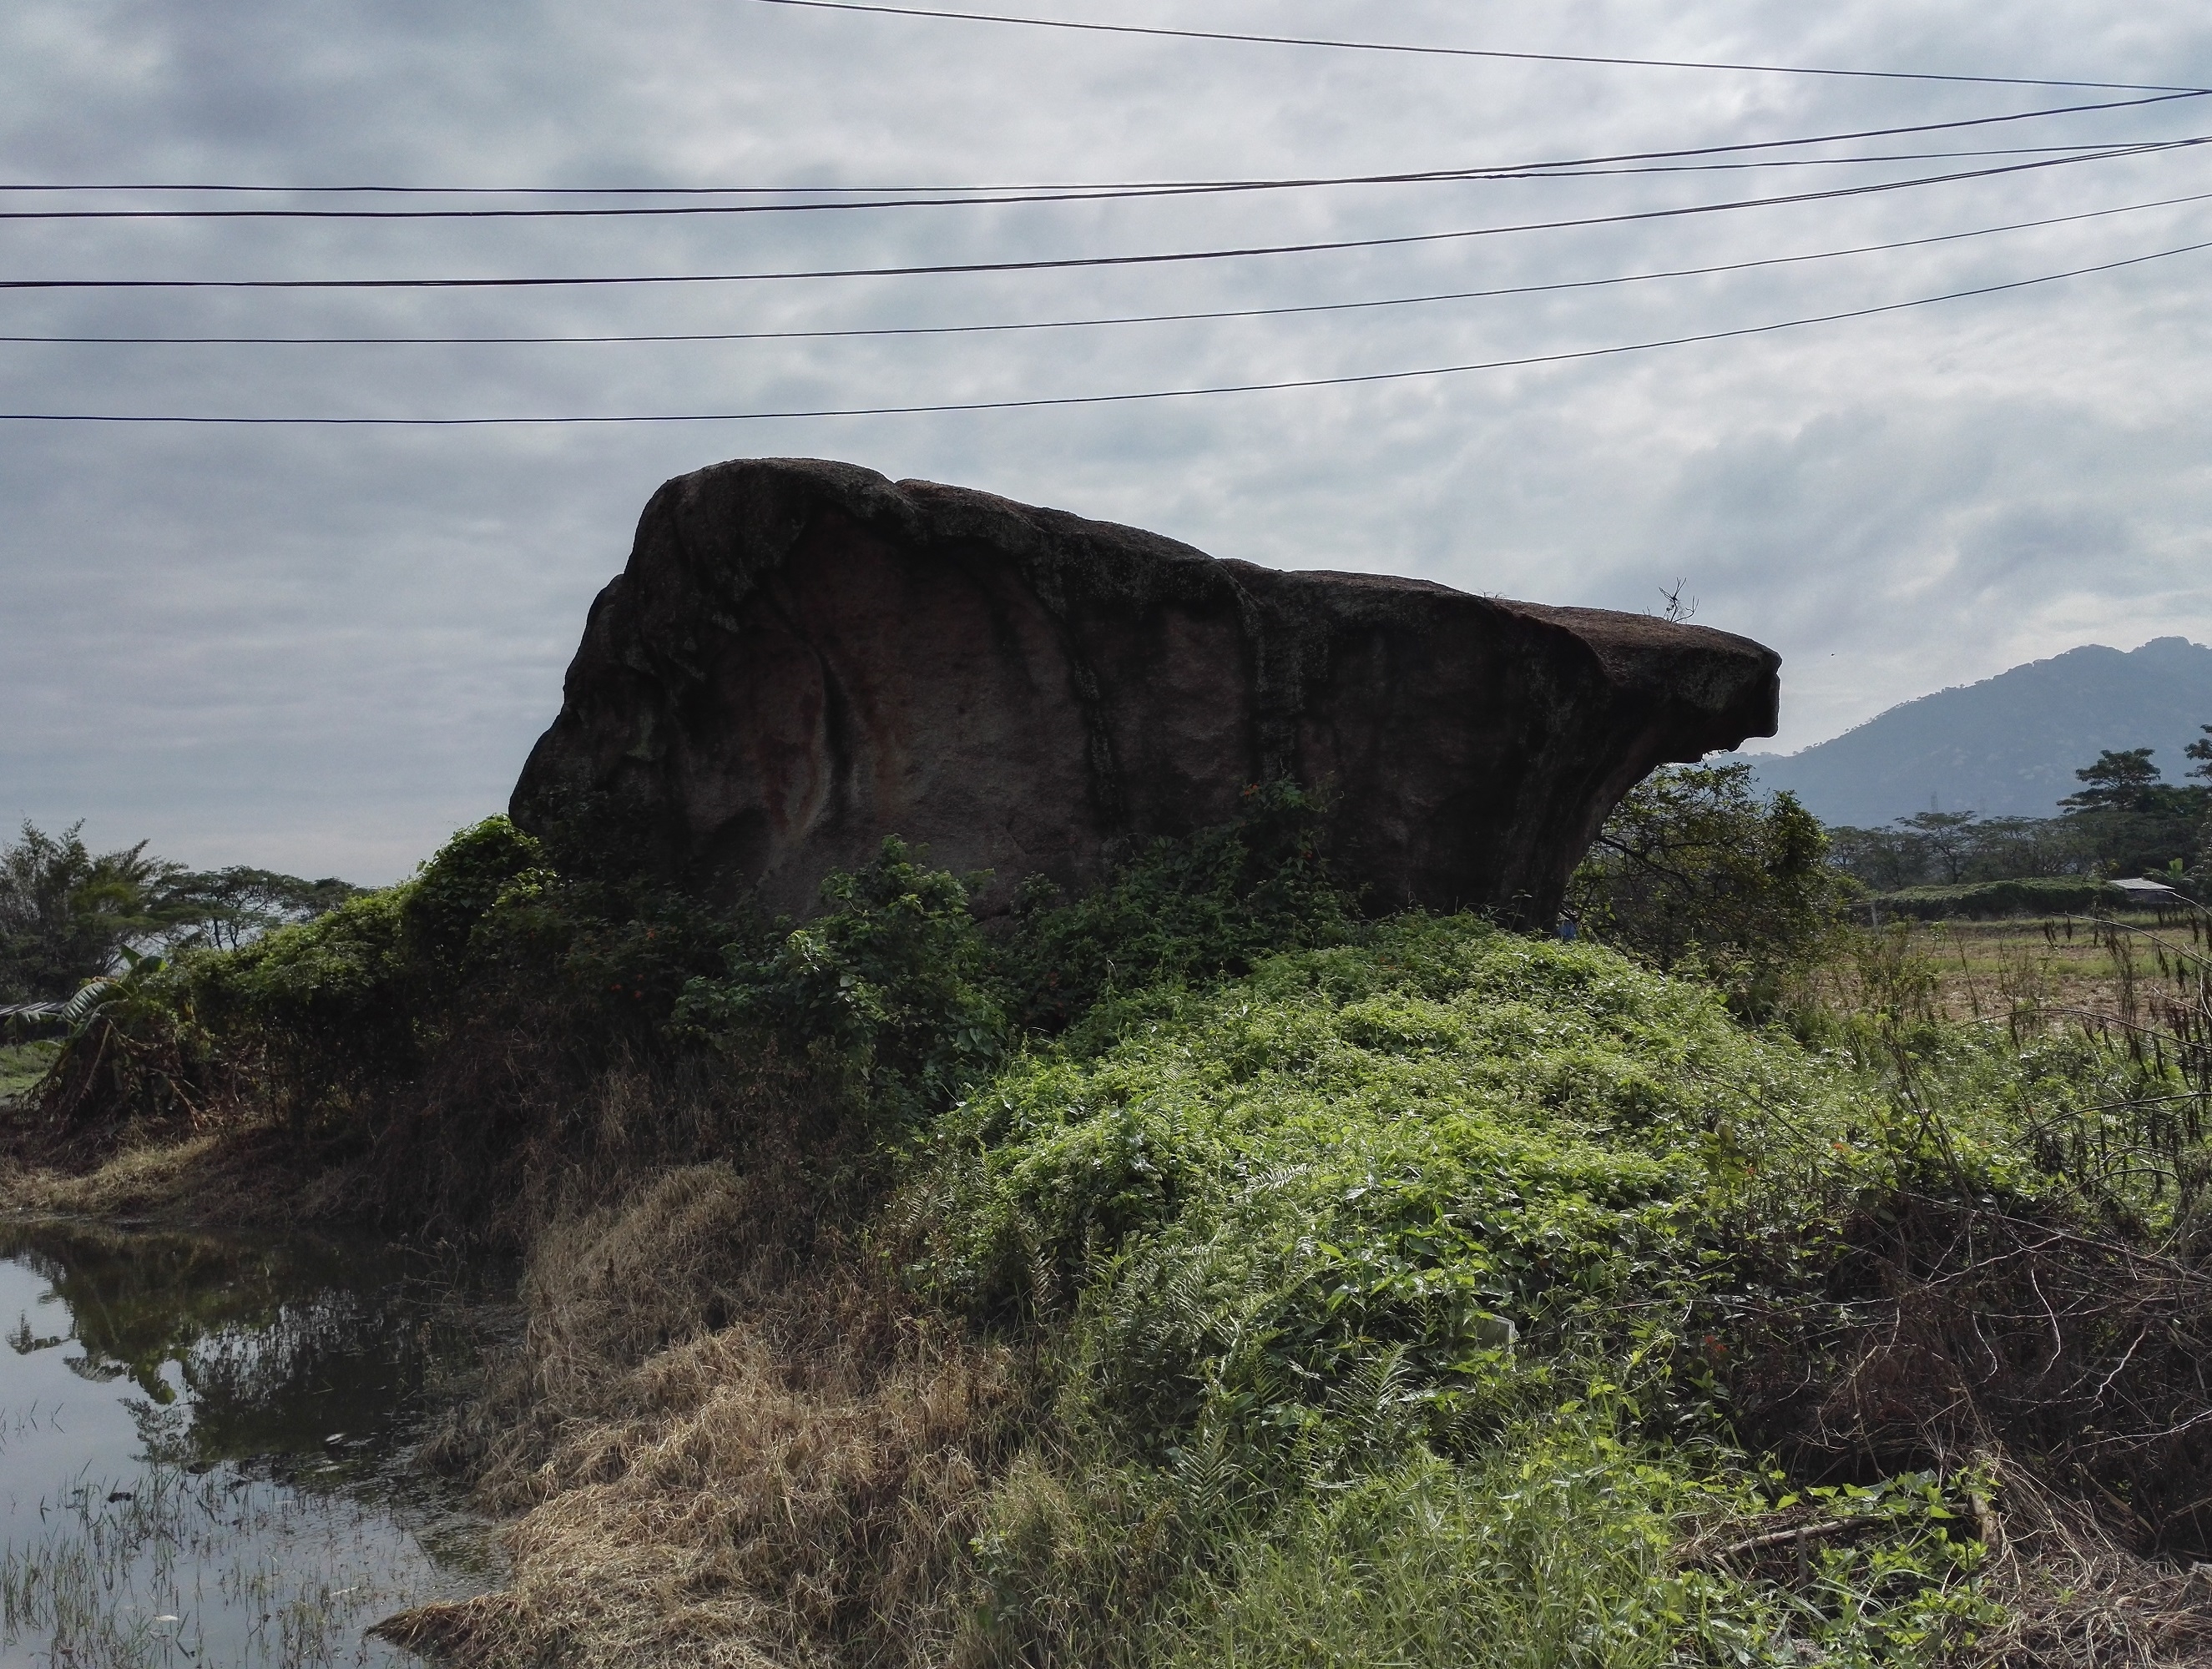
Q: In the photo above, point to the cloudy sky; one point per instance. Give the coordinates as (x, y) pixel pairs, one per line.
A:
(321, 648)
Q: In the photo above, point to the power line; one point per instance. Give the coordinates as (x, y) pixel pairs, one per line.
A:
(1451, 51)
(1066, 262)
(881, 330)
(825, 189)
(964, 197)
(1103, 194)
(951, 406)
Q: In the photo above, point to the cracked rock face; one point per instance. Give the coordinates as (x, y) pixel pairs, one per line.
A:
(803, 657)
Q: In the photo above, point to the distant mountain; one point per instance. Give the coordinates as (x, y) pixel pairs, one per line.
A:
(2008, 746)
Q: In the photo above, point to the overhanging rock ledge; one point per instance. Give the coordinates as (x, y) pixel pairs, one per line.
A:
(803, 657)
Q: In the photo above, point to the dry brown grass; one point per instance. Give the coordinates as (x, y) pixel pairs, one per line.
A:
(730, 1445)
(2080, 1600)
(250, 1174)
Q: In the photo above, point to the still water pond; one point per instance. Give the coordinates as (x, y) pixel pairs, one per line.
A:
(204, 1446)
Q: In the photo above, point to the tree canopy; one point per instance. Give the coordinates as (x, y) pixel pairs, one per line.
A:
(2120, 780)
(67, 913)
(1692, 870)
(2200, 751)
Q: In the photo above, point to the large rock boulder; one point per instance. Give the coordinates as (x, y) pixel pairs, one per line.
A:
(803, 657)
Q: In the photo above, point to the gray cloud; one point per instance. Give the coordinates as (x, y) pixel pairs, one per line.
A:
(322, 649)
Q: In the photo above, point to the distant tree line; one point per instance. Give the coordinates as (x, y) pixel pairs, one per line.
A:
(67, 914)
(2126, 820)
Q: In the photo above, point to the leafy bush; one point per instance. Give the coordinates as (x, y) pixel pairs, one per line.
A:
(353, 999)
(1693, 871)
(1407, 1144)
(457, 890)
(329, 1006)
(1179, 910)
(328, 1015)
(899, 985)
(887, 984)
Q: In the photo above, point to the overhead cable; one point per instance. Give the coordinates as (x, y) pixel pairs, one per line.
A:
(1000, 327)
(1090, 28)
(1529, 171)
(963, 197)
(827, 188)
(1042, 402)
(1067, 263)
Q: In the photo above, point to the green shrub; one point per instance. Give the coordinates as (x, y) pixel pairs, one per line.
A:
(596, 969)
(353, 998)
(897, 984)
(1178, 910)
(1399, 1291)
(887, 985)
(457, 888)
(1982, 900)
(1693, 871)
(1406, 1143)
(358, 1002)
(329, 1006)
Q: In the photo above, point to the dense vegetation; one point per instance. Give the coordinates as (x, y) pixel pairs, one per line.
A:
(1695, 873)
(1196, 1271)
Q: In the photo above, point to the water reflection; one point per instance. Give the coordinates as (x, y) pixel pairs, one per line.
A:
(203, 1443)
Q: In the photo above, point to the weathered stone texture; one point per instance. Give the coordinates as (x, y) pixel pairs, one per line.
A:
(803, 657)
